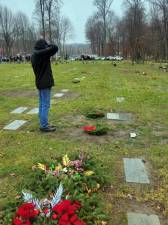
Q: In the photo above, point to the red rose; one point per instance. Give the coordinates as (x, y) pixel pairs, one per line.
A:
(65, 217)
(79, 222)
(17, 221)
(76, 205)
(73, 218)
(89, 128)
(27, 211)
(54, 216)
(62, 207)
(36, 212)
(46, 211)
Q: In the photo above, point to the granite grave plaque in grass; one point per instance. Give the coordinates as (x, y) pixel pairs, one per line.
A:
(64, 90)
(15, 125)
(120, 99)
(119, 116)
(33, 111)
(59, 95)
(135, 171)
(142, 219)
(19, 110)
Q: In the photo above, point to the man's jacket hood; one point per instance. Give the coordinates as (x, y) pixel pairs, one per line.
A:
(40, 44)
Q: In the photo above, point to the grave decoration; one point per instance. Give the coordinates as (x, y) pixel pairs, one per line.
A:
(95, 130)
(76, 80)
(95, 115)
(75, 202)
(56, 209)
(71, 168)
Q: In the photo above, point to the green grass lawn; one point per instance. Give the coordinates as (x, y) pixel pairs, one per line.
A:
(145, 97)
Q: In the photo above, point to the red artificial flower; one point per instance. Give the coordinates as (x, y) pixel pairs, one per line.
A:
(89, 128)
(62, 207)
(79, 222)
(36, 212)
(65, 217)
(54, 216)
(17, 221)
(76, 206)
(73, 218)
(27, 211)
(46, 211)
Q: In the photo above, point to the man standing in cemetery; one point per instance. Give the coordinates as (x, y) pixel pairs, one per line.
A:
(44, 79)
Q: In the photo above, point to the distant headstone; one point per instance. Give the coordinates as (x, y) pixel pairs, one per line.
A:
(76, 80)
(133, 135)
(33, 111)
(135, 171)
(19, 110)
(120, 99)
(15, 125)
(82, 78)
(119, 116)
(113, 116)
(64, 90)
(59, 95)
(142, 219)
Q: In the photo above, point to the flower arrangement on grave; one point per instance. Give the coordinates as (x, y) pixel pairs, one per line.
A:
(79, 203)
(95, 130)
(95, 115)
(63, 212)
(72, 168)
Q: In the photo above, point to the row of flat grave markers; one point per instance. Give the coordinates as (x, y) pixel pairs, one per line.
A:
(135, 172)
(19, 123)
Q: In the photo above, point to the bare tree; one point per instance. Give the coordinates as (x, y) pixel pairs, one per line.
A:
(40, 11)
(161, 7)
(52, 8)
(135, 26)
(22, 30)
(66, 32)
(7, 27)
(103, 7)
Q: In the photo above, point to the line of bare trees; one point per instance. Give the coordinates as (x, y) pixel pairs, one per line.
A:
(18, 33)
(140, 33)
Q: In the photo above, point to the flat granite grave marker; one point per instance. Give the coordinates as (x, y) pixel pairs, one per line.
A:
(33, 111)
(135, 171)
(119, 116)
(19, 110)
(142, 219)
(64, 90)
(15, 125)
(59, 95)
(120, 99)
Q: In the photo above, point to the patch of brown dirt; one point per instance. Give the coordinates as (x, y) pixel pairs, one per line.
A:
(19, 93)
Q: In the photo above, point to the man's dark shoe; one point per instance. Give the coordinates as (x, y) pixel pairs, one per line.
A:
(52, 126)
(48, 129)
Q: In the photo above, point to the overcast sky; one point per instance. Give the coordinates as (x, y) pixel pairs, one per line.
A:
(77, 10)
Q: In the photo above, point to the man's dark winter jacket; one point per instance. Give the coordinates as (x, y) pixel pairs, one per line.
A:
(41, 64)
